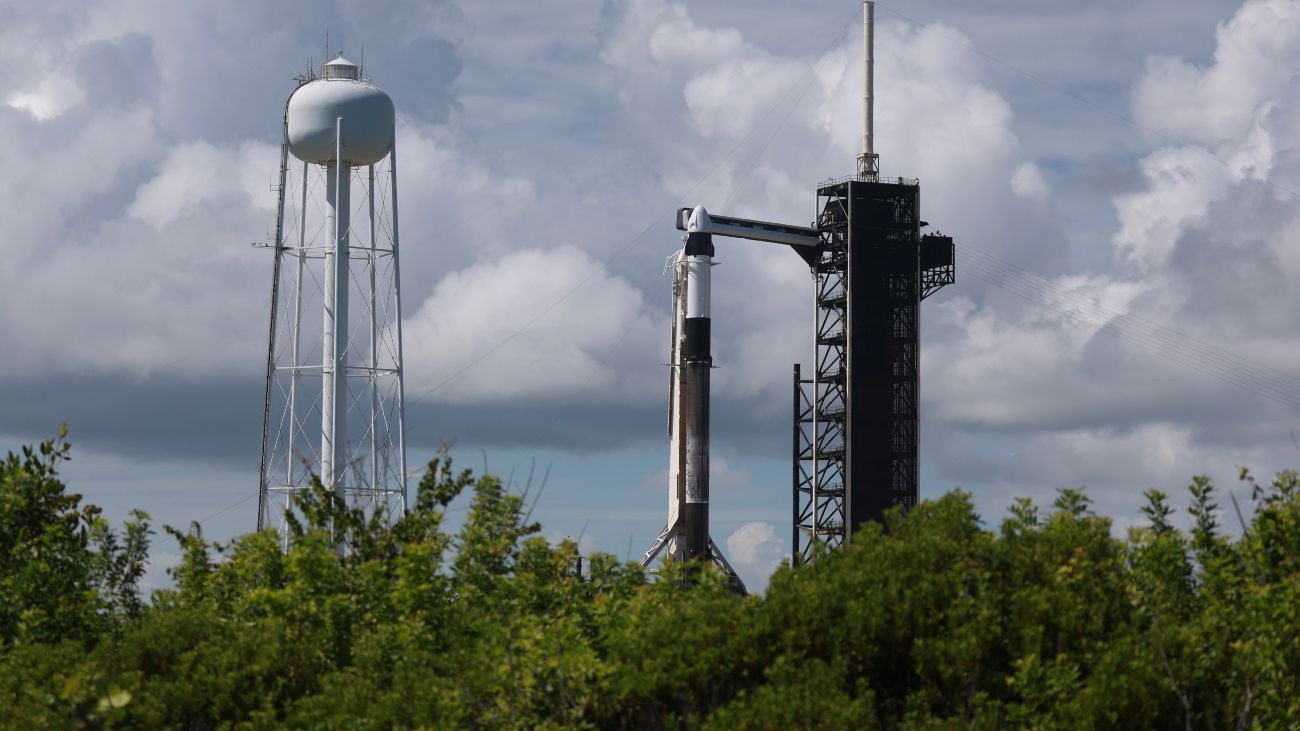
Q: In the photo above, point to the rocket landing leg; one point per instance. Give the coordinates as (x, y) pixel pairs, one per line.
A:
(672, 539)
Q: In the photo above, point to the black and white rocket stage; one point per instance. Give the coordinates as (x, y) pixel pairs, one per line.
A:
(685, 536)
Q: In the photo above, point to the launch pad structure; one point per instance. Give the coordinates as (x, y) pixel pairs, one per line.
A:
(856, 417)
(856, 432)
(856, 426)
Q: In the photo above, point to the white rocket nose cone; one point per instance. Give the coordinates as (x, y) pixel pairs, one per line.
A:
(699, 221)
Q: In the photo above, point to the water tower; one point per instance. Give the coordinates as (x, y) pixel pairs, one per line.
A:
(333, 402)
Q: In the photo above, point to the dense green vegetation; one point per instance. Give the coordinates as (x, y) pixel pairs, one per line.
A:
(931, 622)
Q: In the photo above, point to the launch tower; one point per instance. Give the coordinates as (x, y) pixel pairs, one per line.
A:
(856, 420)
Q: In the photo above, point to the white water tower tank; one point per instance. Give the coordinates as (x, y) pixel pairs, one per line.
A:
(340, 92)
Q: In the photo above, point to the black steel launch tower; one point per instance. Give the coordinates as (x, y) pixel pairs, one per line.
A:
(856, 431)
(856, 428)
(857, 420)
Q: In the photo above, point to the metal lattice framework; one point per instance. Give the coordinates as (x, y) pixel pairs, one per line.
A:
(805, 515)
(824, 491)
(375, 475)
(856, 422)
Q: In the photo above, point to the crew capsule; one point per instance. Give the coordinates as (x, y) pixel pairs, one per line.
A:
(699, 221)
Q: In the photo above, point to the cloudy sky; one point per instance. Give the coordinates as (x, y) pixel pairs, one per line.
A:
(1121, 179)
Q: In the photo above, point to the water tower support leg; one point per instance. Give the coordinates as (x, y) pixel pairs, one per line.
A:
(397, 303)
(334, 386)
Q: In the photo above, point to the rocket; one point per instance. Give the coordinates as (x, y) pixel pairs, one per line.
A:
(685, 536)
(692, 359)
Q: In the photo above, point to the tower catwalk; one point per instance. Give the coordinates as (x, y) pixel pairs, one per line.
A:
(333, 406)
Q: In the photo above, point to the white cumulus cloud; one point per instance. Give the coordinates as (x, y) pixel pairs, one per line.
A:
(1028, 182)
(556, 322)
(1172, 359)
(755, 552)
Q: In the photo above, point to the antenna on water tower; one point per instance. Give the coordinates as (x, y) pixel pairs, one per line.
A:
(868, 161)
(334, 406)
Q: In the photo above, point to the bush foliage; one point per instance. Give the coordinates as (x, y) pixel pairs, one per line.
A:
(928, 622)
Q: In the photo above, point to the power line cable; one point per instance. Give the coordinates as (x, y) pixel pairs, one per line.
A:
(1129, 321)
(1131, 327)
(226, 509)
(1143, 338)
(1218, 374)
(736, 183)
(726, 156)
(610, 259)
(753, 161)
(1062, 90)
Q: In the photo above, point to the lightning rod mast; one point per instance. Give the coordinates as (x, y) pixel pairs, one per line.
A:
(868, 161)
